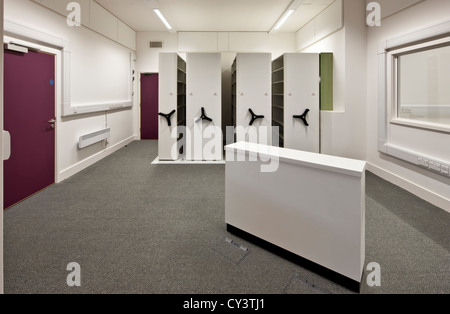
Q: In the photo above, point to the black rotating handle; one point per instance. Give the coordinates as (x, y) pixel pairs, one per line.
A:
(254, 117)
(303, 117)
(204, 116)
(167, 116)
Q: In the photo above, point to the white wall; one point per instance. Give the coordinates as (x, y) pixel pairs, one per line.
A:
(355, 124)
(223, 42)
(427, 185)
(343, 129)
(92, 81)
(389, 7)
(1, 152)
(98, 19)
(148, 58)
(327, 22)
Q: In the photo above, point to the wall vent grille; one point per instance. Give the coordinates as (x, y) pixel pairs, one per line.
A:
(156, 44)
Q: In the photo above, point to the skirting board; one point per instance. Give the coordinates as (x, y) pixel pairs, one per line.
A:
(67, 173)
(411, 187)
(186, 162)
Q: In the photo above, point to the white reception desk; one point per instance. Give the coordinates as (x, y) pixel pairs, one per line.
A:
(312, 205)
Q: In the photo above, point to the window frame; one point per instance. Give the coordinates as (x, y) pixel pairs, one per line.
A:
(392, 77)
(386, 50)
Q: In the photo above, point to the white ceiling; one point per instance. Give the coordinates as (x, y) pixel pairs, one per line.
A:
(213, 15)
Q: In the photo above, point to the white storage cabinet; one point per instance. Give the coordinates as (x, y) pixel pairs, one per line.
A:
(296, 101)
(172, 104)
(252, 97)
(204, 107)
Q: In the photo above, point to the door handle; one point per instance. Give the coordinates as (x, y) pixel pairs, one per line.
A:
(6, 145)
(254, 117)
(167, 116)
(204, 117)
(52, 123)
(303, 117)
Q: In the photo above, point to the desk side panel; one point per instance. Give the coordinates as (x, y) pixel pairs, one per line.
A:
(313, 213)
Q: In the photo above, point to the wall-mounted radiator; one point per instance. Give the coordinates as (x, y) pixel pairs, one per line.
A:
(92, 138)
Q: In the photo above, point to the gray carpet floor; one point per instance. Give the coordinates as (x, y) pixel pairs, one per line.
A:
(138, 228)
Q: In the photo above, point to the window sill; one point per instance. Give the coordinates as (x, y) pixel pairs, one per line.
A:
(430, 126)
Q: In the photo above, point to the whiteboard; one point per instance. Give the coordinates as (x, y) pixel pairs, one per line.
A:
(101, 74)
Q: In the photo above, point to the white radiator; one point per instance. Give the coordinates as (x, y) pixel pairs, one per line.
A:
(92, 138)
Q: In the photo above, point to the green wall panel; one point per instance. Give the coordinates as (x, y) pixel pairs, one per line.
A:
(326, 86)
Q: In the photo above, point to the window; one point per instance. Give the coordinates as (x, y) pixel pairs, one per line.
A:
(414, 98)
(422, 86)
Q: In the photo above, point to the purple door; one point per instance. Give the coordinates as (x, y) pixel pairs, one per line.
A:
(29, 105)
(149, 106)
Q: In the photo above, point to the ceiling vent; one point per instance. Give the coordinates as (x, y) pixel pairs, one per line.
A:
(156, 44)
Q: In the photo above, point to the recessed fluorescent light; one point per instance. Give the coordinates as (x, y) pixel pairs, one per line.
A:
(284, 18)
(163, 19)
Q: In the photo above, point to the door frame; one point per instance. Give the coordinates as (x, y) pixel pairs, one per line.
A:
(58, 90)
(139, 116)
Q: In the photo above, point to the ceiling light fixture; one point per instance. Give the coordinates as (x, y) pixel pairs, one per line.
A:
(295, 4)
(283, 19)
(163, 19)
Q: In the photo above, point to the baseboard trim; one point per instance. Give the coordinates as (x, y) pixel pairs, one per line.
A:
(411, 187)
(311, 266)
(67, 173)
